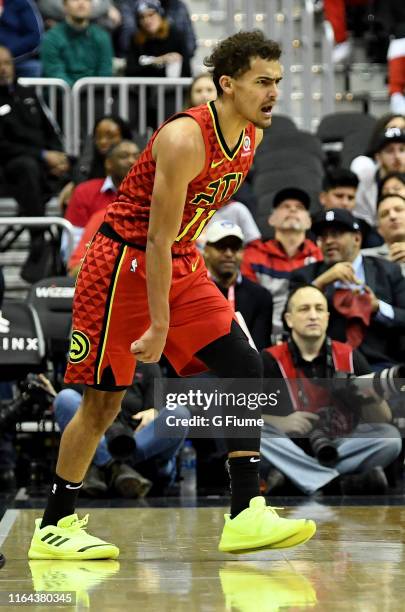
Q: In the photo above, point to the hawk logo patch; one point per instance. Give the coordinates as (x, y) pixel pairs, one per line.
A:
(79, 347)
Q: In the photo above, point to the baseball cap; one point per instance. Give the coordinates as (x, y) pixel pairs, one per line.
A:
(335, 216)
(392, 134)
(292, 193)
(222, 229)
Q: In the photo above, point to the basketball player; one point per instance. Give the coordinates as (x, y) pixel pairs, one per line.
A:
(143, 290)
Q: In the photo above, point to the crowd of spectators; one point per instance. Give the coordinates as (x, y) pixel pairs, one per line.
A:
(347, 248)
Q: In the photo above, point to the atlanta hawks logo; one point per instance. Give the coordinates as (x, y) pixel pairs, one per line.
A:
(246, 143)
(79, 347)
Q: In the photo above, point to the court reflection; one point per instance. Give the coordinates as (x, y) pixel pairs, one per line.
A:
(79, 577)
(248, 588)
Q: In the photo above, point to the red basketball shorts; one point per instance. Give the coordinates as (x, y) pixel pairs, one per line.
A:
(110, 311)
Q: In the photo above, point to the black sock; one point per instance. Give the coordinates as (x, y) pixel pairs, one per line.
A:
(244, 475)
(61, 501)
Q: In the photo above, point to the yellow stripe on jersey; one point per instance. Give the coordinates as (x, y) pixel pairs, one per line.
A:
(110, 305)
(230, 156)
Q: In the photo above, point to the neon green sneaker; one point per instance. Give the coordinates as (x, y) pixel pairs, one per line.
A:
(78, 576)
(249, 589)
(260, 527)
(69, 540)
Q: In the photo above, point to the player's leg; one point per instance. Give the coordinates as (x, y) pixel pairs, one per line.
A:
(60, 534)
(251, 525)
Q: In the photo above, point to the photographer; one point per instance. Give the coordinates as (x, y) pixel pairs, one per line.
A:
(363, 439)
(134, 430)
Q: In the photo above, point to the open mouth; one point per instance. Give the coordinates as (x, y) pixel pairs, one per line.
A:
(267, 110)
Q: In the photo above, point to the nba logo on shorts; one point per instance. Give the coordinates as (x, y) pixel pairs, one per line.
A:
(134, 265)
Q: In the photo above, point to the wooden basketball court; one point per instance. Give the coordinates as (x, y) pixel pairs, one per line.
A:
(169, 561)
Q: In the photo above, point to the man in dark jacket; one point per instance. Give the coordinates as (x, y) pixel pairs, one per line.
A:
(223, 254)
(32, 161)
(366, 295)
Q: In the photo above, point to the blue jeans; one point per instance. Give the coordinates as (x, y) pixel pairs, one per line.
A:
(155, 457)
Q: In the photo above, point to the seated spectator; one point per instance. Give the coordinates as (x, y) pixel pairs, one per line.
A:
(31, 154)
(159, 41)
(202, 90)
(175, 10)
(21, 29)
(366, 295)
(108, 131)
(76, 48)
(362, 433)
(393, 183)
(339, 188)
(157, 50)
(223, 254)
(391, 225)
(103, 12)
(271, 263)
(153, 455)
(390, 157)
(95, 194)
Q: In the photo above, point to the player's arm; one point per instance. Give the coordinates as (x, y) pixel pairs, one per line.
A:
(179, 153)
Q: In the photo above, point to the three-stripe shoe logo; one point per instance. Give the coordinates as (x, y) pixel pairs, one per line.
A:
(54, 539)
(58, 540)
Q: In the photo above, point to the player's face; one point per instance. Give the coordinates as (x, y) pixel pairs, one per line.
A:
(256, 91)
(224, 257)
(391, 219)
(308, 313)
(6, 67)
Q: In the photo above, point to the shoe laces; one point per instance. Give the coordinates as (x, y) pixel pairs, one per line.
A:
(273, 509)
(79, 523)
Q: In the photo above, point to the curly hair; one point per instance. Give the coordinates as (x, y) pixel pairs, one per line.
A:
(232, 56)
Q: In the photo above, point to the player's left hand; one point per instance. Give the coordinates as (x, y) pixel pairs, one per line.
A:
(149, 347)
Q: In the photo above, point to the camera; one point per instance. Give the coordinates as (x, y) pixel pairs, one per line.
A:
(349, 391)
(120, 436)
(35, 398)
(321, 440)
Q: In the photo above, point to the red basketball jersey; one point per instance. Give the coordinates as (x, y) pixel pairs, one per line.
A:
(222, 175)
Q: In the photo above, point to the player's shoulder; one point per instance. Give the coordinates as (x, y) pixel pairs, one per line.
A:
(181, 136)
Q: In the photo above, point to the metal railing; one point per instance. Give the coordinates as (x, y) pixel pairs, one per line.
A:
(56, 95)
(27, 222)
(116, 93)
(328, 80)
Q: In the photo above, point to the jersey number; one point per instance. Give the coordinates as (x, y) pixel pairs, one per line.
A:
(209, 199)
